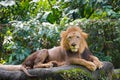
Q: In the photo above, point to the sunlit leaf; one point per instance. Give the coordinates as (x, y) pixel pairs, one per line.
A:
(7, 3)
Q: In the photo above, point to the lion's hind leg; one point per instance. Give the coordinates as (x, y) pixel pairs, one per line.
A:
(44, 65)
(49, 64)
(41, 58)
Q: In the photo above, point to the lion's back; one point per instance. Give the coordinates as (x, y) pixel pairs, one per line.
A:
(57, 54)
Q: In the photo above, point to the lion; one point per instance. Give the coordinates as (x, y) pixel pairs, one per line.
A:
(73, 50)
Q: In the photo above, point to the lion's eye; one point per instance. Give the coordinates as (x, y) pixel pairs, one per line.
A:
(78, 37)
(69, 37)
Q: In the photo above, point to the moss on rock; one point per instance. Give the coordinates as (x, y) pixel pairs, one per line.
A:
(75, 74)
(116, 75)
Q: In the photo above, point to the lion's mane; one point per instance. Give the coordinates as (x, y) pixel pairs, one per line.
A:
(84, 36)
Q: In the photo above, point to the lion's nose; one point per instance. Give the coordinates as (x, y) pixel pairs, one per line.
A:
(73, 44)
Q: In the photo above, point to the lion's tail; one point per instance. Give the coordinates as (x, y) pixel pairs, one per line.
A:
(26, 72)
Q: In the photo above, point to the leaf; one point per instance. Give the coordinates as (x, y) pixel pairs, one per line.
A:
(67, 0)
(45, 16)
(7, 3)
(22, 56)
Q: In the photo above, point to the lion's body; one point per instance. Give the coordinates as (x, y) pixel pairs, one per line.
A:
(73, 50)
(57, 54)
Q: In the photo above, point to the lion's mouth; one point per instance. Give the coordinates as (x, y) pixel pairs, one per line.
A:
(74, 49)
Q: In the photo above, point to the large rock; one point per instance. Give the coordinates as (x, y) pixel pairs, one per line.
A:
(68, 72)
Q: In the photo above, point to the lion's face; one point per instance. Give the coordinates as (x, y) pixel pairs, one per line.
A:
(73, 39)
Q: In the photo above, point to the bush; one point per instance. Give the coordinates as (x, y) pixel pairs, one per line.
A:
(28, 36)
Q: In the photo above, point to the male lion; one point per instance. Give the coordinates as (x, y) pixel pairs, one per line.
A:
(73, 50)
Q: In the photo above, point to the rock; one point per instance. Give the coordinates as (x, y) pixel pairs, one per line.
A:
(71, 72)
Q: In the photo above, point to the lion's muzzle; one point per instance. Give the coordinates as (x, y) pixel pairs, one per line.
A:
(74, 48)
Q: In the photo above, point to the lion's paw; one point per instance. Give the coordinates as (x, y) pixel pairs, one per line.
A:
(50, 65)
(92, 66)
(98, 64)
(55, 64)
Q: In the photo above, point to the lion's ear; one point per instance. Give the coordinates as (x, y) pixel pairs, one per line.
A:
(63, 33)
(85, 35)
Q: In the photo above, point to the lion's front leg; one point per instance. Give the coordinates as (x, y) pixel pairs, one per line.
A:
(97, 62)
(90, 65)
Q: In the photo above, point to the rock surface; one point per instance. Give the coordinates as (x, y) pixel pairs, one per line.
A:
(53, 73)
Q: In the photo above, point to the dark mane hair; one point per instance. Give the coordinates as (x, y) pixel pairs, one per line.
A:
(86, 54)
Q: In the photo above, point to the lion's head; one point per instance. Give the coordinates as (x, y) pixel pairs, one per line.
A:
(74, 39)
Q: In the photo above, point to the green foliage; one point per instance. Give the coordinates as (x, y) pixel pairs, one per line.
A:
(30, 36)
(53, 11)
